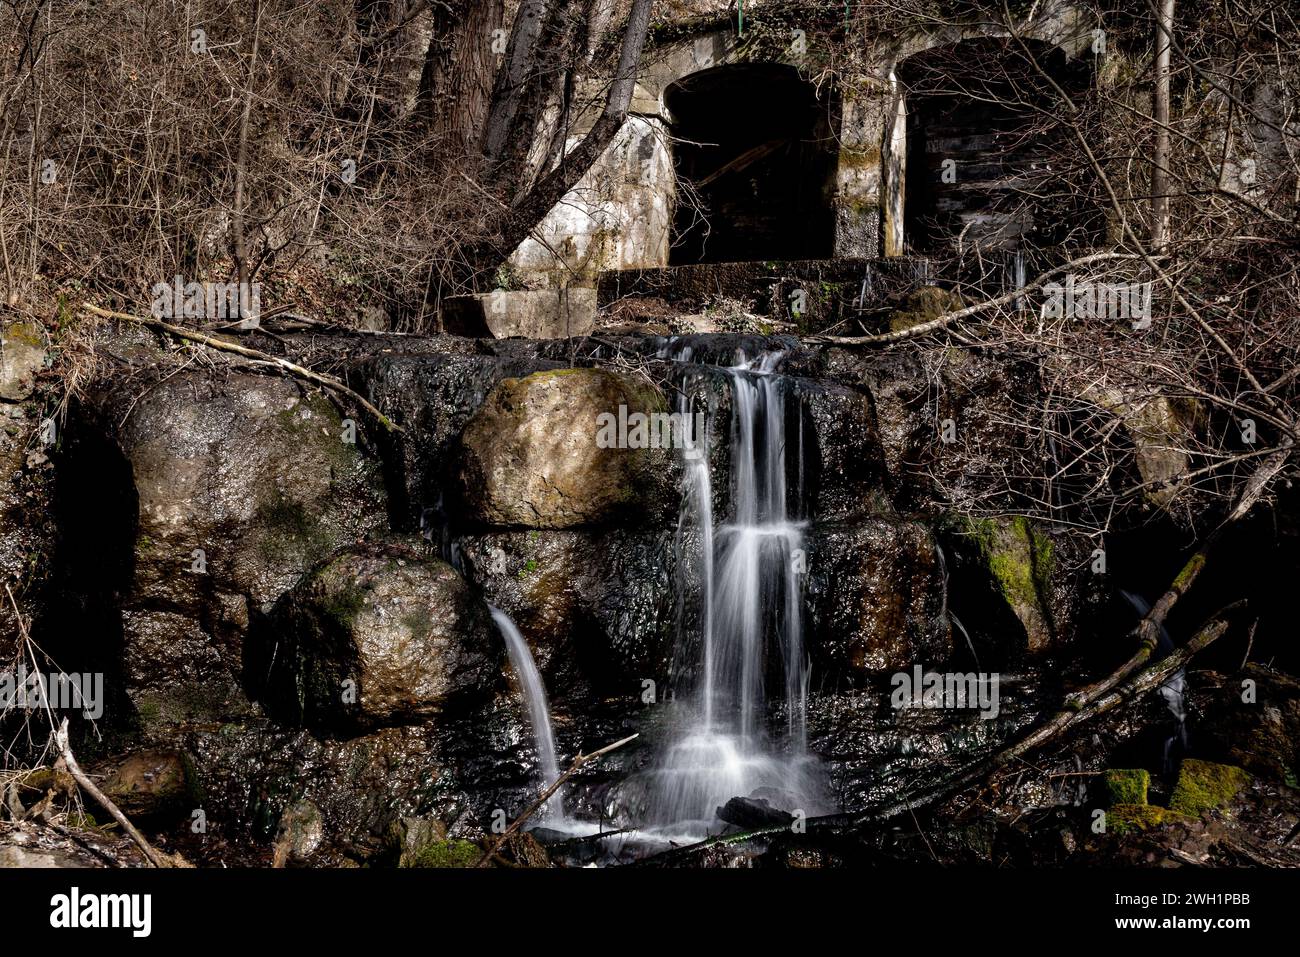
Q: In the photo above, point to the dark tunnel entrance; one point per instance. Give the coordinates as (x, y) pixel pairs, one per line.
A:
(755, 154)
(989, 162)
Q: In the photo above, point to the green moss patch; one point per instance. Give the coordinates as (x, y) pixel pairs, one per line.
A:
(290, 532)
(1203, 785)
(1127, 819)
(1017, 554)
(1127, 785)
(924, 305)
(449, 853)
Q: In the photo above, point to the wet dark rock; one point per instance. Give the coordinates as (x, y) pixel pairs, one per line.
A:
(596, 607)
(751, 813)
(252, 773)
(530, 455)
(873, 754)
(875, 595)
(456, 769)
(377, 637)
(840, 450)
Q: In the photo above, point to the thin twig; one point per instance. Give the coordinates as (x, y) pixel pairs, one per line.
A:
(65, 752)
(220, 344)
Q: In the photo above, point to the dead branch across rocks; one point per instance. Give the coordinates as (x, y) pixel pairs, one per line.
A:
(222, 345)
(542, 798)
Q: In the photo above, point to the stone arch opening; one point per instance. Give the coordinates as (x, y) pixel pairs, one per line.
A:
(755, 157)
(988, 160)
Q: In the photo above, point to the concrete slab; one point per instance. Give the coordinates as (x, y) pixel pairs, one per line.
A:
(529, 313)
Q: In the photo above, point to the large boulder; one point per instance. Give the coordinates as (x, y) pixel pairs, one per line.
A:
(876, 597)
(222, 490)
(433, 394)
(532, 455)
(378, 637)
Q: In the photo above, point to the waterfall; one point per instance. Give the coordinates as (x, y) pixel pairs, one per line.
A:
(1018, 278)
(539, 712)
(1173, 690)
(751, 613)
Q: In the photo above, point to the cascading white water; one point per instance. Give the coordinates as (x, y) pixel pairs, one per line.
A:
(751, 606)
(539, 712)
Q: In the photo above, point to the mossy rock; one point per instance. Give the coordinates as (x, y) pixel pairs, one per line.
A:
(537, 452)
(1204, 785)
(924, 305)
(1019, 558)
(1126, 819)
(449, 853)
(1127, 785)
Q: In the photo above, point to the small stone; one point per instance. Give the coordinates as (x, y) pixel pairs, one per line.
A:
(148, 783)
(300, 835)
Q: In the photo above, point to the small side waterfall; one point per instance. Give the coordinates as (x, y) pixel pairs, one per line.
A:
(539, 711)
(751, 614)
(1173, 691)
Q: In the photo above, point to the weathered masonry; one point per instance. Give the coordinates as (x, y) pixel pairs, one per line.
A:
(731, 154)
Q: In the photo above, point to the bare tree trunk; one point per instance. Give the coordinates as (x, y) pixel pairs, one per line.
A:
(456, 81)
(536, 77)
(1160, 112)
(512, 82)
(529, 210)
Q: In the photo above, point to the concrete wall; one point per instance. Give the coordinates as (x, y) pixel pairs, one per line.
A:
(620, 215)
